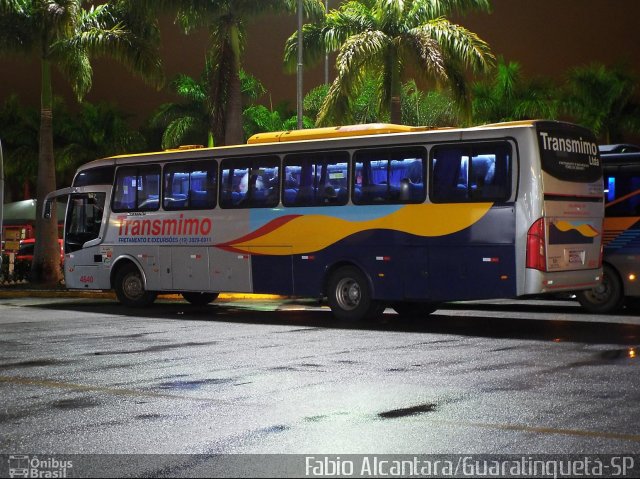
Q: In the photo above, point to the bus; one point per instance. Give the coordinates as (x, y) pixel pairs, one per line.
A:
(621, 237)
(362, 216)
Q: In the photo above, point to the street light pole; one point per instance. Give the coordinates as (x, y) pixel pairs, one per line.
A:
(299, 70)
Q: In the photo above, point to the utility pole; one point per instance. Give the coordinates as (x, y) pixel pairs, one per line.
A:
(299, 70)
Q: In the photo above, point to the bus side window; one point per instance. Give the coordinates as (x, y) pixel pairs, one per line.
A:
(149, 188)
(622, 185)
(190, 185)
(290, 185)
(448, 174)
(389, 176)
(250, 182)
(233, 185)
(316, 179)
(137, 189)
(265, 186)
(124, 197)
(471, 173)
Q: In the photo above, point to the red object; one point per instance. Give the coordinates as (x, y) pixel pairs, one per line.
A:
(25, 253)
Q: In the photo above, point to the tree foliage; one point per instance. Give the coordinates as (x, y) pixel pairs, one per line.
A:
(66, 34)
(391, 42)
(226, 22)
(604, 100)
(508, 96)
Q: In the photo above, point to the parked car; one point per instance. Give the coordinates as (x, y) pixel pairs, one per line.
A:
(25, 252)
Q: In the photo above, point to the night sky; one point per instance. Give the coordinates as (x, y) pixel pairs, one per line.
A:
(547, 37)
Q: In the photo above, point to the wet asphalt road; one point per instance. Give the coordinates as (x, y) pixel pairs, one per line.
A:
(89, 376)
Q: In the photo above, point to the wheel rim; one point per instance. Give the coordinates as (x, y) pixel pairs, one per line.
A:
(348, 294)
(132, 286)
(601, 293)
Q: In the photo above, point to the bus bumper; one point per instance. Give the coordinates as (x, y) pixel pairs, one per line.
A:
(537, 282)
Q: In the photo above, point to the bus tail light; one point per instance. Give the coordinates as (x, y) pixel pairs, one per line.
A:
(536, 246)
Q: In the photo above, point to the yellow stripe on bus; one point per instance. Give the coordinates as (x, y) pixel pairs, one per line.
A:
(310, 233)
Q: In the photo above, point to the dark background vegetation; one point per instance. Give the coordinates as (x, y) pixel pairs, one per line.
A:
(547, 37)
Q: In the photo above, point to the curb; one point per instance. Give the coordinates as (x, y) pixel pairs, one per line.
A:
(51, 293)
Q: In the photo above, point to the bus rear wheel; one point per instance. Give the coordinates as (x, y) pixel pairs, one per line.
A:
(349, 295)
(607, 297)
(199, 299)
(129, 286)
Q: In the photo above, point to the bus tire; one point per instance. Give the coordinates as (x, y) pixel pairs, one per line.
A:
(199, 299)
(129, 286)
(414, 309)
(607, 297)
(349, 295)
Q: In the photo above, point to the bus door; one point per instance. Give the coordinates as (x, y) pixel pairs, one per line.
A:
(86, 262)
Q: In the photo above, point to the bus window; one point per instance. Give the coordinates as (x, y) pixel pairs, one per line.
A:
(250, 182)
(622, 191)
(471, 173)
(102, 175)
(190, 185)
(316, 179)
(137, 189)
(389, 176)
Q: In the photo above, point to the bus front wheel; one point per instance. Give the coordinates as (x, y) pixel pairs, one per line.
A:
(199, 299)
(349, 295)
(607, 297)
(129, 286)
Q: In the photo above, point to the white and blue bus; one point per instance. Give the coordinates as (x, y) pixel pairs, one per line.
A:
(621, 237)
(366, 216)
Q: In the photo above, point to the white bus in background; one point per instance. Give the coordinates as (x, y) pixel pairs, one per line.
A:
(621, 238)
(366, 216)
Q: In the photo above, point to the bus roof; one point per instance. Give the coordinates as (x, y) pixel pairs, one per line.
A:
(329, 133)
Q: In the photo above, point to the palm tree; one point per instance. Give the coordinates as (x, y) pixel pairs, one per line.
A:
(510, 97)
(189, 122)
(19, 127)
(433, 108)
(313, 101)
(226, 21)
(66, 35)
(392, 40)
(602, 99)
